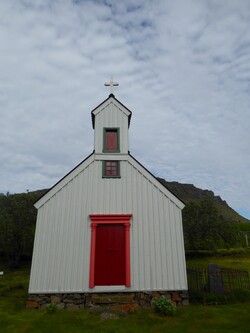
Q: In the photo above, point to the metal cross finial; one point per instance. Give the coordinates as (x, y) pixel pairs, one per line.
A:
(111, 84)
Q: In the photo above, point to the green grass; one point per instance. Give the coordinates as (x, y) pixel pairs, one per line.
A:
(195, 318)
(14, 318)
(235, 262)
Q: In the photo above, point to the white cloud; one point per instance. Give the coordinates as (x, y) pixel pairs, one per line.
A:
(183, 68)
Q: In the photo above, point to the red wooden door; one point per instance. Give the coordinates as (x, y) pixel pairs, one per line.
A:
(111, 140)
(110, 255)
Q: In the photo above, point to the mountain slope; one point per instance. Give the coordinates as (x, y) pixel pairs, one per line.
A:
(188, 192)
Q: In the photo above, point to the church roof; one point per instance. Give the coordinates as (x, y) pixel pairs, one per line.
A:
(111, 96)
(157, 180)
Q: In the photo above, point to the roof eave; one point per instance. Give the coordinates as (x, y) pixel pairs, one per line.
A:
(37, 205)
(181, 202)
(110, 96)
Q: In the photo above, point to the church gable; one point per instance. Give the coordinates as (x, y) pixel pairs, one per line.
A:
(106, 186)
(105, 104)
(66, 219)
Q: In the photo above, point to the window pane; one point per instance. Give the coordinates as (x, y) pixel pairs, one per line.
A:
(111, 169)
(111, 142)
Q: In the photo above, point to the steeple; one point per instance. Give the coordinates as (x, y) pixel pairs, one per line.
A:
(111, 121)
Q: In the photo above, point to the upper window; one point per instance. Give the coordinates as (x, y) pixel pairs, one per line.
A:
(111, 169)
(111, 140)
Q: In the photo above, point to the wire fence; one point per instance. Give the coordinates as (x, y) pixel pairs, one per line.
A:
(217, 280)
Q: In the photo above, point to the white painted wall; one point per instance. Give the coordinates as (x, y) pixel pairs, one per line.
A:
(61, 256)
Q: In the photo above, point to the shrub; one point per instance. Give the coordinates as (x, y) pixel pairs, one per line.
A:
(51, 308)
(164, 306)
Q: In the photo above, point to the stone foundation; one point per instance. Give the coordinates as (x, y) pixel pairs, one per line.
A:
(78, 301)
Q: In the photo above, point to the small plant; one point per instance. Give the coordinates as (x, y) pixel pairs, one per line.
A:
(164, 306)
(51, 308)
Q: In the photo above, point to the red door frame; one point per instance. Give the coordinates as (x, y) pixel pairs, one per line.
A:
(110, 219)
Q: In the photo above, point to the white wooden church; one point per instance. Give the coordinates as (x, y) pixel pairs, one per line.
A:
(109, 227)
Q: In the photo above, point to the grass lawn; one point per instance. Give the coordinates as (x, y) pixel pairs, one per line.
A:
(14, 318)
(236, 262)
(195, 318)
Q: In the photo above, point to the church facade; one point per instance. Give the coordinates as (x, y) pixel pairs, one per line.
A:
(109, 229)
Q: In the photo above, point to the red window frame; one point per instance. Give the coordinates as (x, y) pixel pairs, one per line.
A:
(110, 219)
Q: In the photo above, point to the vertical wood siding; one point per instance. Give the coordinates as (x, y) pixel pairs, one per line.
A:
(61, 256)
(110, 117)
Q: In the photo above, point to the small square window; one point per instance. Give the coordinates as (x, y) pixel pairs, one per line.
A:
(111, 169)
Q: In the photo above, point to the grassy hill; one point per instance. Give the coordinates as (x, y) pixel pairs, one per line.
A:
(188, 193)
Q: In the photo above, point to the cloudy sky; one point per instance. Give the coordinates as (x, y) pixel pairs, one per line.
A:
(184, 71)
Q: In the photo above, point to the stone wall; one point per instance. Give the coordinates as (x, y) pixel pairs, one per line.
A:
(78, 301)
